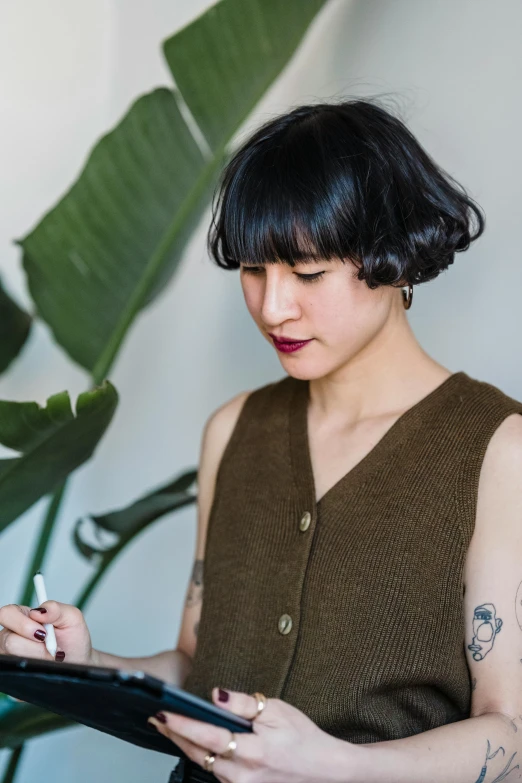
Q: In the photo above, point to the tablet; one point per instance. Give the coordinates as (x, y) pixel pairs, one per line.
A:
(114, 701)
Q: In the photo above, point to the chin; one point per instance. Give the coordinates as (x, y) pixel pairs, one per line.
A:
(303, 371)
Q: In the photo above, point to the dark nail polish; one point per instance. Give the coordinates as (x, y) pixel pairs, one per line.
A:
(40, 635)
(60, 655)
(222, 695)
(39, 609)
(161, 717)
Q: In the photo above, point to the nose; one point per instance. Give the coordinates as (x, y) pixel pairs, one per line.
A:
(279, 301)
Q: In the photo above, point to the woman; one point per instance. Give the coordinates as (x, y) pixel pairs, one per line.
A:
(358, 519)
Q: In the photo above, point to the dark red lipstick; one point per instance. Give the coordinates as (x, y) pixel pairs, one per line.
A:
(287, 345)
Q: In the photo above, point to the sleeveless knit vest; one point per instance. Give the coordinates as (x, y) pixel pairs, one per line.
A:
(351, 609)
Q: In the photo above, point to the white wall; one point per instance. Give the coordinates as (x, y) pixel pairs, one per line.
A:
(69, 72)
(73, 70)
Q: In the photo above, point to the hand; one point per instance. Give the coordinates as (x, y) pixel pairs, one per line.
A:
(21, 623)
(285, 744)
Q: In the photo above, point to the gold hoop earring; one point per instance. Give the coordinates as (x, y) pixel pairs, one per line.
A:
(407, 298)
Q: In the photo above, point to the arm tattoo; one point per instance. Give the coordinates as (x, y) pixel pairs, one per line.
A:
(518, 606)
(501, 770)
(195, 593)
(486, 625)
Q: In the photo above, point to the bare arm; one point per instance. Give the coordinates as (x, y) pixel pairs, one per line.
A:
(174, 665)
(487, 747)
(170, 665)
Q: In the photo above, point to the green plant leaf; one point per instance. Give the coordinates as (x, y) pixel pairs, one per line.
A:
(125, 524)
(115, 239)
(52, 442)
(20, 721)
(242, 46)
(15, 325)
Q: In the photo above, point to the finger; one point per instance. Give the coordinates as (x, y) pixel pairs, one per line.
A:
(14, 644)
(16, 620)
(185, 745)
(60, 615)
(223, 769)
(206, 735)
(239, 703)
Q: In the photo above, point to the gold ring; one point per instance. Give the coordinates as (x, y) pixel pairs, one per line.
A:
(261, 701)
(208, 762)
(229, 752)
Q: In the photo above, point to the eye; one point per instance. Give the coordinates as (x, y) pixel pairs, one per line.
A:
(310, 278)
(256, 270)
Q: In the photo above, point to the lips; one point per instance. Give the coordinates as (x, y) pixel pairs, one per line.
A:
(286, 340)
(287, 345)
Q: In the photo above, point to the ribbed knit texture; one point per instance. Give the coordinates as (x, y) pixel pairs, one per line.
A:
(373, 586)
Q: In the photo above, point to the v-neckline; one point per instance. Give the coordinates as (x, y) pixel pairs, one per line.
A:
(300, 445)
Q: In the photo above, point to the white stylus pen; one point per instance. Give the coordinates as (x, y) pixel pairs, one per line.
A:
(41, 595)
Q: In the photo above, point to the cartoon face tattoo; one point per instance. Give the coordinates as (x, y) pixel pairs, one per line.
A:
(485, 627)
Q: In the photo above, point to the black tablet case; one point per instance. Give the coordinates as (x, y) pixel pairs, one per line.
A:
(109, 700)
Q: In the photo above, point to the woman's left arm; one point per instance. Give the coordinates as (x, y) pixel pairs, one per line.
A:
(486, 748)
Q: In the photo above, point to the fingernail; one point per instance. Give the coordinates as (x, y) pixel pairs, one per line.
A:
(222, 695)
(60, 655)
(39, 609)
(40, 635)
(161, 717)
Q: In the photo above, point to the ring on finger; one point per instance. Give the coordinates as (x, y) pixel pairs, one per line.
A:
(208, 761)
(232, 745)
(261, 702)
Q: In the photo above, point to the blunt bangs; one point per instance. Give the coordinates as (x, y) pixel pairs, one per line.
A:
(343, 181)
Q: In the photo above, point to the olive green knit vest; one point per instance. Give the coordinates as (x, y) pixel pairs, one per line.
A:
(351, 609)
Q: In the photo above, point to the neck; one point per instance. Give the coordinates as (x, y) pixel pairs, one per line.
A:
(388, 376)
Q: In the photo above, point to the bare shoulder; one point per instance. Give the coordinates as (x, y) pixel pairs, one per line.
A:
(505, 439)
(501, 466)
(217, 432)
(220, 424)
(499, 490)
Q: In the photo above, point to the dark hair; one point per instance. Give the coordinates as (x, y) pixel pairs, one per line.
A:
(341, 180)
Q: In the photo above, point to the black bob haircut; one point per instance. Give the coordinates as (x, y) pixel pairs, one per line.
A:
(343, 180)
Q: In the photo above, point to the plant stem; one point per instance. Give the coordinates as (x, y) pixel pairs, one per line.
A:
(11, 768)
(28, 590)
(89, 587)
(42, 544)
(100, 571)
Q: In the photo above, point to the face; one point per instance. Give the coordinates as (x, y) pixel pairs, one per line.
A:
(485, 627)
(320, 302)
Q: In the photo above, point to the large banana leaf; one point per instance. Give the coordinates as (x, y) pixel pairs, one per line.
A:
(115, 239)
(15, 325)
(242, 46)
(52, 442)
(90, 534)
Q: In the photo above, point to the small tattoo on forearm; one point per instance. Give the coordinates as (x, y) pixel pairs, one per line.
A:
(518, 606)
(486, 626)
(195, 592)
(498, 768)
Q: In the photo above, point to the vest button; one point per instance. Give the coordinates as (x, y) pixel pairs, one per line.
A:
(285, 624)
(304, 524)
